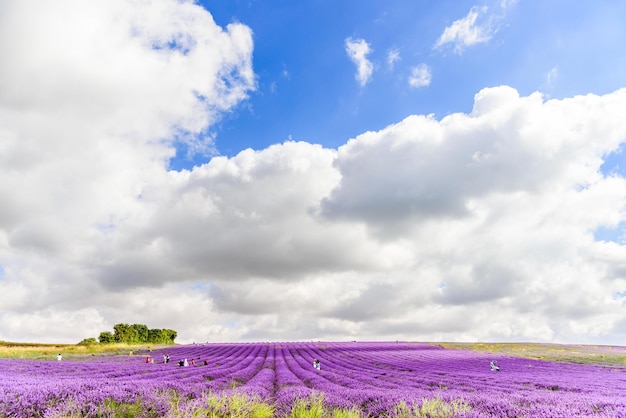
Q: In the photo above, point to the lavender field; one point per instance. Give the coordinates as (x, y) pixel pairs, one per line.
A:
(363, 379)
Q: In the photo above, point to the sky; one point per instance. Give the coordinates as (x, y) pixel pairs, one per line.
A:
(315, 170)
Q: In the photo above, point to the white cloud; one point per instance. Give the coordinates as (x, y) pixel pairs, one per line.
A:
(420, 76)
(393, 56)
(358, 50)
(498, 205)
(476, 226)
(479, 26)
(551, 78)
(91, 95)
(466, 31)
(143, 67)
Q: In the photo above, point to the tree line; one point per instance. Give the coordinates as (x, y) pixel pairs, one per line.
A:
(134, 334)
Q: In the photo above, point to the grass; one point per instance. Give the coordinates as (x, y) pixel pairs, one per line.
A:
(235, 405)
(432, 408)
(37, 351)
(313, 407)
(581, 354)
(114, 409)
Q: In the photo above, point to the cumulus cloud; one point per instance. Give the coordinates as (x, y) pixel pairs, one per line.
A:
(479, 225)
(420, 76)
(514, 151)
(358, 50)
(499, 207)
(91, 97)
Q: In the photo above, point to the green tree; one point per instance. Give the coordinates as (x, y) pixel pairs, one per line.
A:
(142, 332)
(170, 335)
(138, 334)
(155, 336)
(132, 337)
(119, 332)
(124, 333)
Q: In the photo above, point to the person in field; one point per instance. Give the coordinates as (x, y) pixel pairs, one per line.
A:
(316, 364)
(494, 366)
(59, 357)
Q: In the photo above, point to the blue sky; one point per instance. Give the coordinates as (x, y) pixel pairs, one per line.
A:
(282, 170)
(306, 87)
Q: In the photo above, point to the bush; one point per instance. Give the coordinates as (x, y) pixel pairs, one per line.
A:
(88, 341)
(106, 337)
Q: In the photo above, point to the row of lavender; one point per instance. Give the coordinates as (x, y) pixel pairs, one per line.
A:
(373, 376)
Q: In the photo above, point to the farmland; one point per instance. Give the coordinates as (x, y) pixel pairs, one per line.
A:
(356, 379)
